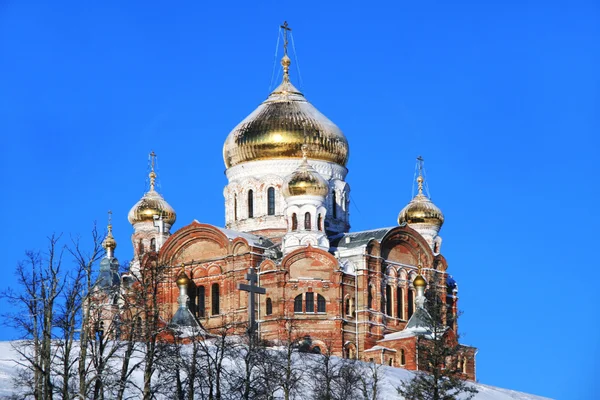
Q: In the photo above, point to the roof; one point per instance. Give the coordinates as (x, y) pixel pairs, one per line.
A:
(108, 277)
(253, 240)
(351, 240)
(375, 348)
(184, 318)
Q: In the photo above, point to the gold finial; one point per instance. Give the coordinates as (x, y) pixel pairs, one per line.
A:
(182, 278)
(420, 179)
(304, 152)
(285, 61)
(152, 173)
(109, 242)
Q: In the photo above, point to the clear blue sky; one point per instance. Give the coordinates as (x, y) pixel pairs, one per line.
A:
(500, 98)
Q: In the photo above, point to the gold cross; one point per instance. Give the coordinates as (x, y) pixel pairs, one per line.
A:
(153, 159)
(285, 28)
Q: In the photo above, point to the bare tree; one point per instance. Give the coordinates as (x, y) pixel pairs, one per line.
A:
(371, 375)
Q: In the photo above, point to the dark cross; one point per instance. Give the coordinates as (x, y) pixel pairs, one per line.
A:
(285, 28)
(252, 289)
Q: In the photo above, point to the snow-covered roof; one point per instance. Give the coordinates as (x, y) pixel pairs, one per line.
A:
(379, 348)
(351, 240)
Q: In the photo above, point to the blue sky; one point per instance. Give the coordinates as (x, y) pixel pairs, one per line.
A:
(500, 98)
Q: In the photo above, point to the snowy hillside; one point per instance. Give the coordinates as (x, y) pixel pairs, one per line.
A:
(393, 378)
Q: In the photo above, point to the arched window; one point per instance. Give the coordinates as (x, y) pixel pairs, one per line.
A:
(399, 303)
(294, 222)
(271, 201)
(298, 304)
(391, 362)
(215, 298)
(307, 221)
(411, 303)
(269, 306)
(320, 223)
(140, 247)
(333, 205)
(250, 204)
(370, 297)
(402, 357)
(200, 301)
(388, 300)
(310, 302)
(321, 307)
(153, 244)
(235, 207)
(464, 365)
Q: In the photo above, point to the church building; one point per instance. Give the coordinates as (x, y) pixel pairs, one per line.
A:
(287, 217)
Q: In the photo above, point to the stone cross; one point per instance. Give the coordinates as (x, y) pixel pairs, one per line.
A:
(252, 289)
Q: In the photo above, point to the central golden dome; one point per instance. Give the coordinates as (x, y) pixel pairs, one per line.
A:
(281, 125)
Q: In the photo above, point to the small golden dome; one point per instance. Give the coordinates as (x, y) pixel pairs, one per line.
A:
(419, 281)
(421, 210)
(109, 241)
(305, 181)
(182, 278)
(281, 125)
(151, 204)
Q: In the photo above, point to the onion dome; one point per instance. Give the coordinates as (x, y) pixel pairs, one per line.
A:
(109, 241)
(182, 278)
(151, 204)
(421, 210)
(419, 281)
(305, 181)
(281, 125)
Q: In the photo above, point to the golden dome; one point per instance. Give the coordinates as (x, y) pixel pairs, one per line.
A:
(182, 278)
(305, 181)
(281, 125)
(419, 281)
(421, 210)
(151, 204)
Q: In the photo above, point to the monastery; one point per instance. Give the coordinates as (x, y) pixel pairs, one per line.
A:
(287, 217)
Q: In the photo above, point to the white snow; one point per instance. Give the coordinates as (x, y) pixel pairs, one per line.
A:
(392, 378)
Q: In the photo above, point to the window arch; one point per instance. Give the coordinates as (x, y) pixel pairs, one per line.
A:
(235, 216)
(298, 304)
(271, 201)
(347, 306)
(333, 205)
(200, 295)
(250, 203)
(294, 222)
(321, 305)
(402, 357)
(269, 306)
(309, 300)
(320, 222)
(307, 222)
(399, 303)
(411, 303)
(388, 300)
(215, 298)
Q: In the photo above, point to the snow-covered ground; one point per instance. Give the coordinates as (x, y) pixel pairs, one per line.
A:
(393, 378)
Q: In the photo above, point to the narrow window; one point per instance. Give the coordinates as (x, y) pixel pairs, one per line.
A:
(321, 304)
(153, 244)
(370, 297)
(388, 300)
(307, 221)
(411, 303)
(140, 247)
(269, 306)
(310, 302)
(271, 201)
(298, 304)
(250, 204)
(200, 300)
(402, 357)
(464, 365)
(391, 362)
(294, 222)
(320, 223)
(333, 205)
(235, 207)
(347, 306)
(399, 303)
(215, 298)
